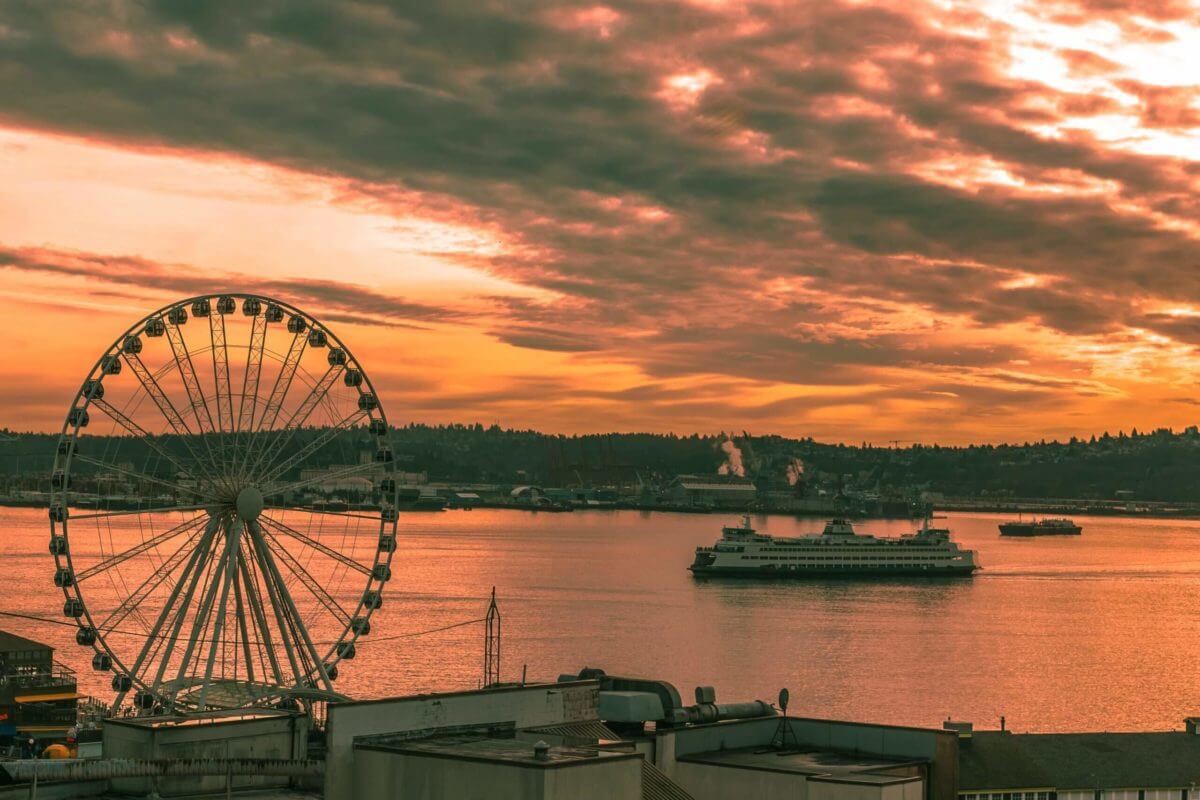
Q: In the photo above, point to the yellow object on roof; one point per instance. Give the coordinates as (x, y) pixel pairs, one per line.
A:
(43, 698)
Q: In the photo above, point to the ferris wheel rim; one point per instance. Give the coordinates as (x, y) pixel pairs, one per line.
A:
(70, 433)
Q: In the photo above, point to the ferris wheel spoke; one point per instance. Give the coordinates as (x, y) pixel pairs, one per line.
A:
(143, 477)
(152, 582)
(220, 357)
(137, 550)
(287, 530)
(312, 584)
(324, 438)
(283, 381)
(254, 356)
(131, 512)
(325, 513)
(136, 430)
(155, 642)
(263, 551)
(280, 442)
(345, 472)
(187, 372)
(196, 399)
(152, 387)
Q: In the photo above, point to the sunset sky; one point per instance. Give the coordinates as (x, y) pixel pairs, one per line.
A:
(854, 221)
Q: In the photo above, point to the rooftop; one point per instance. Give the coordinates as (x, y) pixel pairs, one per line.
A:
(10, 642)
(220, 717)
(805, 761)
(517, 752)
(1005, 760)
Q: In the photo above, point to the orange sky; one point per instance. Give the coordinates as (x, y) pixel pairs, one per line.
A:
(853, 221)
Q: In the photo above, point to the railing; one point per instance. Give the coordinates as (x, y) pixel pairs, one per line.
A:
(59, 675)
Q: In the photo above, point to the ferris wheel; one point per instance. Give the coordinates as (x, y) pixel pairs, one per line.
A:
(223, 507)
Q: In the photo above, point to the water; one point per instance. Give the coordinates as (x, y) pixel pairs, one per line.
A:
(1077, 633)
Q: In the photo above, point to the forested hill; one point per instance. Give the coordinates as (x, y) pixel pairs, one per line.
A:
(1162, 465)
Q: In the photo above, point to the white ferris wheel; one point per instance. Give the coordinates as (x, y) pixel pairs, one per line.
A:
(223, 509)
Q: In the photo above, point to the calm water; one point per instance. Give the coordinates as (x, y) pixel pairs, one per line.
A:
(1092, 632)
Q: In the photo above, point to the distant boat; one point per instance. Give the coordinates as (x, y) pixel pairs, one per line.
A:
(838, 551)
(1051, 526)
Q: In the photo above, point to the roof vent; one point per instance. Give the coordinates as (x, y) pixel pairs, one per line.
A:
(963, 729)
(541, 751)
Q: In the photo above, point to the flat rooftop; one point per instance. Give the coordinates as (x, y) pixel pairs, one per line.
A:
(518, 752)
(220, 717)
(10, 642)
(811, 762)
(1002, 760)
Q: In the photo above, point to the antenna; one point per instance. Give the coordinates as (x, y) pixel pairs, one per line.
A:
(784, 731)
(491, 644)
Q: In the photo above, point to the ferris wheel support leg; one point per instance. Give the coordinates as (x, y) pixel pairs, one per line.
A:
(152, 640)
(276, 605)
(229, 564)
(260, 619)
(265, 554)
(239, 604)
(203, 614)
(200, 562)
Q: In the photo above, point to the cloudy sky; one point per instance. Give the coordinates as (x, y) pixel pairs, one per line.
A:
(851, 220)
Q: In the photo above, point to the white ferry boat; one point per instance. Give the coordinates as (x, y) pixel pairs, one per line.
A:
(836, 552)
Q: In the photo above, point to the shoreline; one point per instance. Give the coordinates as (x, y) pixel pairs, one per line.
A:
(1031, 507)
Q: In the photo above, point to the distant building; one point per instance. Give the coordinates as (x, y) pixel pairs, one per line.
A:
(1001, 765)
(526, 494)
(712, 492)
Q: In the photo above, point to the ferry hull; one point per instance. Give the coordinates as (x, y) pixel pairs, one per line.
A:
(1019, 529)
(801, 573)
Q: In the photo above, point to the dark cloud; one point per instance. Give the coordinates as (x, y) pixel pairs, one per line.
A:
(762, 227)
(343, 302)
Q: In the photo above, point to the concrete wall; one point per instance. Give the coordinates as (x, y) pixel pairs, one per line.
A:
(523, 706)
(283, 736)
(835, 789)
(380, 774)
(418, 777)
(711, 782)
(611, 779)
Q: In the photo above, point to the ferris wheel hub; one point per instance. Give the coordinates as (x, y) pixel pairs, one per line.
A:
(249, 503)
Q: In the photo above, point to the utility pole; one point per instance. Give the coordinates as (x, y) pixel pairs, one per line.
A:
(491, 644)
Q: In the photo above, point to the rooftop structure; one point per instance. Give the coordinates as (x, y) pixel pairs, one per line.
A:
(1079, 766)
(37, 694)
